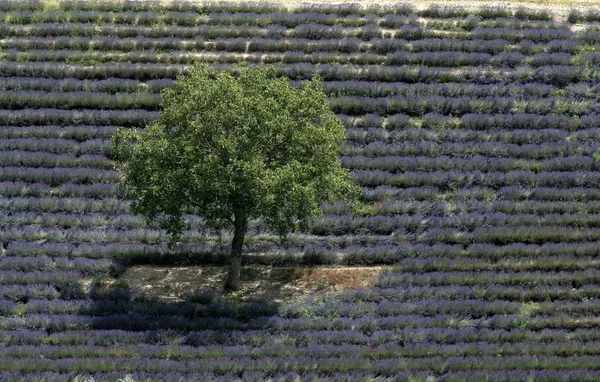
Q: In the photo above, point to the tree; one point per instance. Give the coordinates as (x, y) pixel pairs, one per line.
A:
(235, 147)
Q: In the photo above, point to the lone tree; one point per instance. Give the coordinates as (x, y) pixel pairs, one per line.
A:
(232, 148)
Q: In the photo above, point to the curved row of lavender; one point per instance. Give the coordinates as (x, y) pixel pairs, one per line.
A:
(471, 133)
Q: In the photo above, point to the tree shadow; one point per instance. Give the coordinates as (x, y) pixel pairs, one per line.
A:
(117, 307)
(119, 304)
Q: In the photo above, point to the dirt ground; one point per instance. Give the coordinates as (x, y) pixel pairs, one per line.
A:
(278, 284)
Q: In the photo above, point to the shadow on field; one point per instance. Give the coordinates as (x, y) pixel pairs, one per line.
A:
(184, 299)
(117, 306)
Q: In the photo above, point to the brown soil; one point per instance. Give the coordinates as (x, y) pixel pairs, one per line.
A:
(277, 284)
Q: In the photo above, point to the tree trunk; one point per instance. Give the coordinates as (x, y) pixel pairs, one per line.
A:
(240, 225)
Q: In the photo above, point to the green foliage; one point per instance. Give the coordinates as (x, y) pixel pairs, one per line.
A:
(229, 145)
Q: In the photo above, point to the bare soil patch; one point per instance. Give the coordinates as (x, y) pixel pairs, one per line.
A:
(278, 284)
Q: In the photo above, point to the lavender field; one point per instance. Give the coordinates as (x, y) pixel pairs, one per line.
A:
(471, 132)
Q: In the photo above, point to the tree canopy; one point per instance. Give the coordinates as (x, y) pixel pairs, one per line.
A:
(233, 147)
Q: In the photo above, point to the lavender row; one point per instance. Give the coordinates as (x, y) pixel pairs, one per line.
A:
(191, 19)
(426, 156)
(362, 136)
(364, 29)
(501, 235)
(121, 221)
(77, 57)
(257, 253)
(45, 299)
(527, 144)
(277, 39)
(477, 121)
(28, 117)
(258, 338)
(525, 295)
(334, 329)
(453, 180)
(475, 112)
(10, 295)
(381, 225)
(79, 134)
(429, 45)
(262, 8)
(59, 279)
(394, 200)
(65, 296)
(58, 176)
(30, 99)
(68, 205)
(369, 28)
(385, 89)
(578, 16)
(488, 252)
(514, 22)
(135, 5)
(249, 17)
(563, 175)
(505, 59)
(572, 279)
(486, 149)
(59, 146)
(337, 330)
(66, 190)
(316, 350)
(64, 71)
(367, 135)
(536, 124)
(155, 236)
(434, 11)
(543, 207)
(399, 164)
(46, 220)
(494, 46)
(47, 160)
(449, 264)
(41, 263)
(358, 16)
(527, 235)
(386, 230)
(332, 88)
(390, 201)
(250, 376)
(110, 85)
(357, 253)
(257, 376)
(352, 51)
(231, 369)
(122, 251)
(323, 226)
(548, 194)
(590, 37)
(352, 254)
(555, 75)
(226, 53)
(515, 35)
